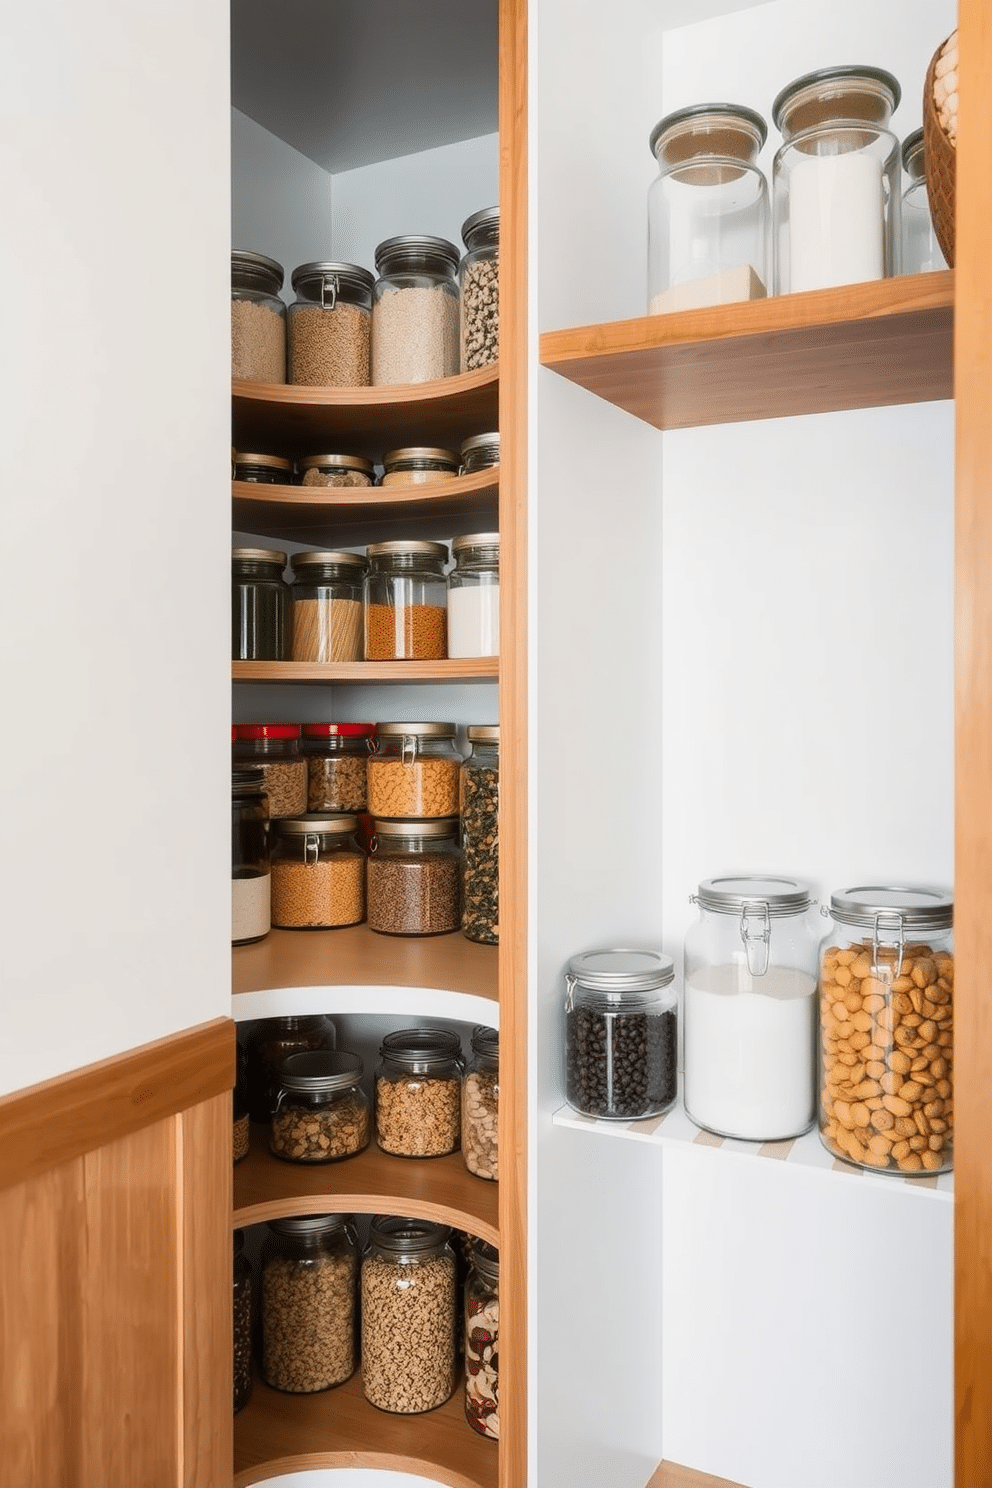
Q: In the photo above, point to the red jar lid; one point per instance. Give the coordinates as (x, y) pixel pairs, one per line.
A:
(338, 730)
(268, 730)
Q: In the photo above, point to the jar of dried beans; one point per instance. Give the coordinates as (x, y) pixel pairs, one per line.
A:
(242, 1323)
(406, 602)
(322, 1114)
(415, 310)
(887, 1029)
(336, 470)
(276, 748)
(263, 470)
(478, 275)
(418, 465)
(414, 770)
(413, 874)
(337, 765)
(327, 599)
(481, 1340)
(271, 1041)
(480, 1105)
(620, 1034)
(418, 1091)
(310, 1267)
(473, 596)
(258, 318)
(318, 872)
(409, 1311)
(479, 452)
(479, 809)
(250, 865)
(330, 325)
(259, 605)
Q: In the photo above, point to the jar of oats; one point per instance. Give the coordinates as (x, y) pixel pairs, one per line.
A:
(337, 765)
(318, 872)
(409, 1311)
(322, 1114)
(309, 1302)
(258, 318)
(406, 601)
(276, 748)
(415, 310)
(418, 1092)
(327, 603)
(886, 993)
(330, 325)
(414, 771)
(480, 1105)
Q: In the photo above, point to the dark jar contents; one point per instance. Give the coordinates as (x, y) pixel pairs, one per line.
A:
(479, 807)
(337, 765)
(409, 1315)
(264, 470)
(620, 1034)
(322, 1113)
(309, 1303)
(413, 874)
(242, 1323)
(241, 1121)
(259, 605)
(250, 864)
(418, 1093)
(271, 1041)
(482, 1341)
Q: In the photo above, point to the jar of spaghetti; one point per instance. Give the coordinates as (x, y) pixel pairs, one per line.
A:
(413, 770)
(406, 614)
(327, 598)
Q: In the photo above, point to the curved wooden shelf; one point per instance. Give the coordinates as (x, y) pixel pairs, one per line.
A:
(458, 669)
(278, 1433)
(283, 419)
(357, 957)
(437, 1188)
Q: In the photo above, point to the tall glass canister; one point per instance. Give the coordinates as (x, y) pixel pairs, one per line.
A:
(473, 595)
(330, 325)
(409, 1311)
(406, 601)
(750, 1008)
(478, 277)
(310, 1270)
(415, 310)
(479, 810)
(251, 881)
(482, 1341)
(258, 318)
(921, 252)
(621, 1029)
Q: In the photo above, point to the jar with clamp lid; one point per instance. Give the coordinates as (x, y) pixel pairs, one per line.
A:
(473, 596)
(409, 1315)
(413, 771)
(271, 1041)
(480, 1106)
(620, 1034)
(413, 877)
(275, 747)
(327, 596)
(418, 1092)
(887, 1029)
(259, 605)
(708, 213)
(750, 1008)
(250, 864)
(337, 765)
(310, 1267)
(479, 811)
(406, 613)
(921, 252)
(258, 318)
(262, 470)
(481, 1320)
(321, 1114)
(478, 275)
(330, 325)
(415, 310)
(318, 872)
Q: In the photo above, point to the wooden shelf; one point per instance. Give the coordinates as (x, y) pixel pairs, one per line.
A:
(282, 419)
(358, 957)
(437, 1188)
(330, 517)
(672, 1475)
(863, 346)
(466, 669)
(278, 1433)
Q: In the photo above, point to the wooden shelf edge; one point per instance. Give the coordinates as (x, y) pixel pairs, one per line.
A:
(395, 395)
(356, 958)
(334, 499)
(469, 669)
(673, 1475)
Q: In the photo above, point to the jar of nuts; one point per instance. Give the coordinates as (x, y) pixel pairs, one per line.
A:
(309, 1302)
(337, 758)
(406, 598)
(327, 599)
(318, 872)
(242, 1323)
(258, 318)
(479, 810)
(418, 1091)
(276, 748)
(478, 275)
(482, 1341)
(413, 877)
(322, 1114)
(409, 1310)
(330, 325)
(347, 471)
(480, 1105)
(414, 770)
(887, 1025)
(621, 1031)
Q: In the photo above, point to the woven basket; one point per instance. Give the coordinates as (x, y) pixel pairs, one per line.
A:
(940, 159)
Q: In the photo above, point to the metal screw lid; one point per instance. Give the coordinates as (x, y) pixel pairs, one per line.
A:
(474, 540)
(622, 970)
(481, 444)
(413, 251)
(405, 830)
(920, 906)
(485, 1041)
(482, 733)
(485, 1259)
(310, 1224)
(268, 462)
(417, 730)
(335, 823)
(255, 270)
(436, 1044)
(738, 891)
(398, 548)
(415, 452)
(912, 154)
(408, 1237)
(336, 462)
(480, 226)
(320, 1070)
(258, 555)
(321, 559)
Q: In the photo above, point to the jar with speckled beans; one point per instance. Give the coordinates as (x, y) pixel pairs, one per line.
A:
(478, 275)
(415, 310)
(406, 601)
(414, 771)
(413, 877)
(310, 1267)
(418, 1092)
(409, 1315)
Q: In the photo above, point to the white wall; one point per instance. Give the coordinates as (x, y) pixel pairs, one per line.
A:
(280, 200)
(113, 621)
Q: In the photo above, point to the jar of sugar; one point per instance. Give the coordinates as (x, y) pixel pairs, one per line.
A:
(750, 1008)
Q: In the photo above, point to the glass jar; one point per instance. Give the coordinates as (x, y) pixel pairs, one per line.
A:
(276, 748)
(409, 1307)
(418, 1093)
(415, 310)
(835, 191)
(750, 1008)
(406, 617)
(322, 1114)
(413, 873)
(418, 465)
(336, 470)
(473, 596)
(921, 252)
(330, 325)
(480, 1106)
(478, 277)
(337, 765)
(414, 771)
(327, 599)
(250, 880)
(258, 318)
(708, 215)
(481, 1341)
(241, 1122)
(309, 1303)
(479, 810)
(318, 872)
(621, 1027)
(887, 1029)
(259, 605)
(479, 452)
(272, 1041)
(242, 1323)
(263, 470)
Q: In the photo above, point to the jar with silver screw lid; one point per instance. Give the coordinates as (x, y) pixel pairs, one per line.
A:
(330, 325)
(415, 310)
(921, 253)
(327, 596)
(409, 1313)
(406, 594)
(310, 1267)
(473, 595)
(478, 275)
(258, 318)
(479, 452)
(336, 470)
(620, 1034)
(418, 1092)
(322, 1113)
(260, 616)
(418, 465)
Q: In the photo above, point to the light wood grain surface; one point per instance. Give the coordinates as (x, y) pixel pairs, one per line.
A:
(671, 1475)
(357, 956)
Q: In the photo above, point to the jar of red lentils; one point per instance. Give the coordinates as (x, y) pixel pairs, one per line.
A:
(406, 602)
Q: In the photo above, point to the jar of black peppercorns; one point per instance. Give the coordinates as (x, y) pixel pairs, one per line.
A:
(620, 1034)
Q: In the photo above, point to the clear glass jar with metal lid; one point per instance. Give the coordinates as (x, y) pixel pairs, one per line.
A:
(621, 1034)
(318, 872)
(336, 470)
(242, 1320)
(337, 765)
(481, 1340)
(406, 611)
(250, 878)
(708, 212)
(415, 309)
(413, 877)
(836, 179)
(258, 318)
(418, 1092)
(310, 1270)
(473, 595)
(409, 1315)
(478, 277)
(418, 465)
(413, 770)
(322, 1113)
(264, 470)
(887, 1028)
(479, 452)
(750, 1007)
(270, 1042)
(276, 748)
(330, 325)
(921, 253)
(478, 804)
(480, 1105)
(259, 605)
(328, 603)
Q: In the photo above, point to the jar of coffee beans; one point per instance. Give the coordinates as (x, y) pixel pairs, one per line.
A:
(337, 760)
(258, 318)
(620, 1034)
(242, 1323)
(322, 1114)
(479, 810)
(478, 275)
(330, 325)
(415, 309)
(270, 1042)
(406, 602)
(418, 1092)
(886, 992)
(409, 1312)
(276, 748)
(259, 605)
(318, 872)
(414, 770)
(480, 1105)
(309, 1302)
(262, 470)
(327, 599)
(413, 874)
(481, 1320)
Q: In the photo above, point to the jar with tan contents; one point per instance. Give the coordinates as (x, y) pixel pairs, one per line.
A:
(418, 1091)
(258, 318)
(414, 771)
(337, 765)
(887, 1023)
(330, 325)
(322, 1113)
(318, 873)
(336, 470)
(480, 1106)
(409, 1310)
(309, 1307)
(418, 465)
(406, 602)
(327, 598)
(276, 748)
(414, 872)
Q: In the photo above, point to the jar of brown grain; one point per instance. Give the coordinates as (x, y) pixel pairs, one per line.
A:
(258, 318)
(418, 1092)
(322, 1113)
(413, 770)
(309, 1302)
(406, 602)
(413, 877)
(409, 1309)
(330, 325)
(337, 765)
(318, 873)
